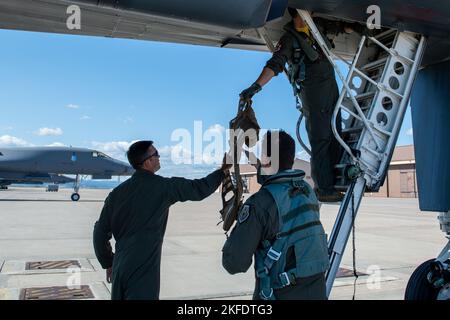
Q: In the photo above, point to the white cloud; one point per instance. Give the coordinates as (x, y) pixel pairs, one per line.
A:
(409, 132)
(172, 158)
(216, 129)
(180, 162)
(10, 141)
(176, 154)
(73, 106)
(85, 117)
(56, 144)
(165, 151)
(169, 169)
(115, 149)
(49, 132)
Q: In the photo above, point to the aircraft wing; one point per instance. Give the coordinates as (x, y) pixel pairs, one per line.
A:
(22, 177)
(198, 22)
(226, 23)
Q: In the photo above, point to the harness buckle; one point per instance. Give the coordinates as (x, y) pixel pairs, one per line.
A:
(273, 254)
(263, 295)
(284, 279)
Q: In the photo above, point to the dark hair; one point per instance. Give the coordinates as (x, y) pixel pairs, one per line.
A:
(292, 12)
(137, 152)
(286, 146)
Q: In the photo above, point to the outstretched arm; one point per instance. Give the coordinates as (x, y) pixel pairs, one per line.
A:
(273, 67)
(181, 189)
(266, 75)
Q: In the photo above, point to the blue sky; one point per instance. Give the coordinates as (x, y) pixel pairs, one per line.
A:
(104, 93)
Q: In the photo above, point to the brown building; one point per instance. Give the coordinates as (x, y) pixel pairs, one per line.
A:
(248, 173)
(400, 181)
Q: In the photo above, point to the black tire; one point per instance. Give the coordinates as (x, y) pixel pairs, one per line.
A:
(418, 287)
(75, 197)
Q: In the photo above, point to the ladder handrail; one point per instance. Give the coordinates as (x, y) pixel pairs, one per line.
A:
(307, 18)
(339, 102)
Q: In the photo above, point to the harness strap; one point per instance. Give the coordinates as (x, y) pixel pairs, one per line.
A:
(310, 50)
(298, 228)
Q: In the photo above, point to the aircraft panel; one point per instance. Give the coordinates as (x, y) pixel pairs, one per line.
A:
(228, 23)
(430, 108)
(51, 16)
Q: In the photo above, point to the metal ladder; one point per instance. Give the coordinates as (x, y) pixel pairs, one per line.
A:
(373, 102)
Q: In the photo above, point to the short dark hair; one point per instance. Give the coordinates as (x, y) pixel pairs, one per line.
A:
(286, 147)
(137, 151)
(292, 12)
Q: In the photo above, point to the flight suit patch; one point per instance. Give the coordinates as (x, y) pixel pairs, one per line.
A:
(244, 213)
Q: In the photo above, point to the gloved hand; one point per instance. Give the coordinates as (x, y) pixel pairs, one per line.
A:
(248, 93)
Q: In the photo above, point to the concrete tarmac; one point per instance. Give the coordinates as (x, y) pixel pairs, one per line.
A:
(392, 238)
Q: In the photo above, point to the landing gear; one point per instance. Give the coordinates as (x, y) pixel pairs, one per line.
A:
(75, 195)
(419, 288)
(431, 280)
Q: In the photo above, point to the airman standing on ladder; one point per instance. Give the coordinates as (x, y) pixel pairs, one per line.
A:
(313, 79)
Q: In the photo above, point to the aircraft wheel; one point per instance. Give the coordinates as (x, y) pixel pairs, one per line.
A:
(418, 287)
(75, 197)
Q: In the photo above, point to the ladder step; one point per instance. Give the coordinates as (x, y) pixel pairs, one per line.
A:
(375, 64)
(365, 96)
(347, 100)
(375, 77)
(361, 97)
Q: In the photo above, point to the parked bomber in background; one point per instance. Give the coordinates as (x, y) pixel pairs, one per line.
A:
(49, 165)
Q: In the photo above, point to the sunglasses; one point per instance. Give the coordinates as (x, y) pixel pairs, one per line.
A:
(155, 154)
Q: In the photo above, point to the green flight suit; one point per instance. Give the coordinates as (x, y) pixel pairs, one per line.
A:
(136, 214)
(319, 94)
(262, 223)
